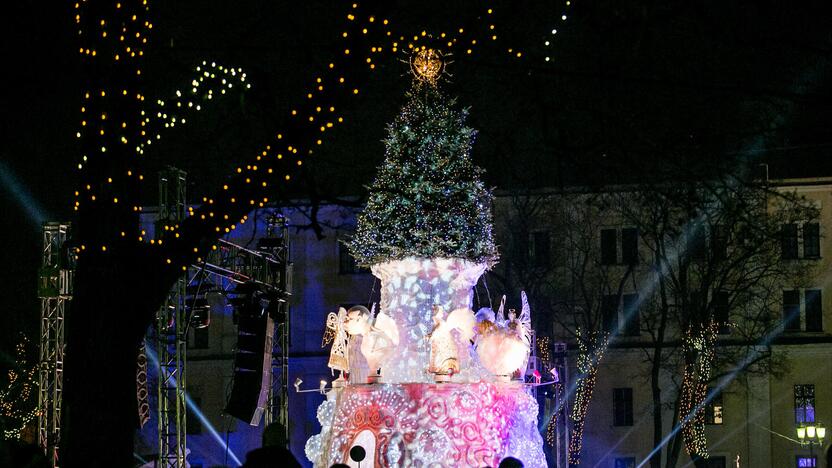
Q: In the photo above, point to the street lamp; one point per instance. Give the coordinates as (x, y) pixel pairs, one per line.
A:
(811, 434)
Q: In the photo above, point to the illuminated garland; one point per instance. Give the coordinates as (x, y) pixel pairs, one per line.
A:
(16, 400)
(588, 361)
(170, 113)
(544, 350)
(118, 39)
(698, 349)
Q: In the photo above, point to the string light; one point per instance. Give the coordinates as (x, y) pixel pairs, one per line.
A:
(698, 348)
(16, 400)
(124, 44)
(591, 351)
(418, 177)
(167, 114)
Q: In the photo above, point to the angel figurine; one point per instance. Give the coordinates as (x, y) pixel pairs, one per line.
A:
(337, 334)
(378, 337)
(504, 347)
(449, 342)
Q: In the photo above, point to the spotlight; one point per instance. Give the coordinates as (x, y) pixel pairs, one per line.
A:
(298, 382)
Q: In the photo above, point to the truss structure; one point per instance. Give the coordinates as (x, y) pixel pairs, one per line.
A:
(171, 339)
(54, 291)
(561, 401)
(270, 267)
(276, 245)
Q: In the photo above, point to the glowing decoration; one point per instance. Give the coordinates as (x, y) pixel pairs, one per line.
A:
(410, 289)
(427, 235)
(335, 332)
(377, 340)
(210, 77)
(427, 65)
(18, 401)
(450, 342)
(503, 345)
(698, 348)
(428, 199)
(591, 350)
(424, 424)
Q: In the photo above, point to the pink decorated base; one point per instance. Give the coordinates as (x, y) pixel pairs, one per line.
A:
(429, 425)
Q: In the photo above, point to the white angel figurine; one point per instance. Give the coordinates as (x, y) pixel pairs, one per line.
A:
(450, 341)
(504, 347)
(378, 338)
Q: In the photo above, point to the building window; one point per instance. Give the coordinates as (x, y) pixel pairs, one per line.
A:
(696, 243)
(721, 312)
(716, 462)
(609, 313)
(622, 406)
(806, 462)
(625, 462)
(811, 240)
(788, 241)
(200, 338)
(791, 310)
(346, 262)
(719, 242)
(629, 246)
(814, 310)
(609, 247)
(632, 324)
(713, 410)
(806, 235)
(539, 244)
(804, 403)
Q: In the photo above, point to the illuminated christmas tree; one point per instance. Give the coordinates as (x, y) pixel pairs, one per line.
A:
(428, 199)
(427, 235)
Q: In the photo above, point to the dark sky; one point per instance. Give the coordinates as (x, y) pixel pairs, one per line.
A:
(630, 84)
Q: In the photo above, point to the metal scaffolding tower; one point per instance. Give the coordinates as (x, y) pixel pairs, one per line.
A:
(276, 245)
(54, 290)
(562, 406)
(171, 341)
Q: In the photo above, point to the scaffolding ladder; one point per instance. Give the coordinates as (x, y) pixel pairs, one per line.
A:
(54, 291)
(170, 336)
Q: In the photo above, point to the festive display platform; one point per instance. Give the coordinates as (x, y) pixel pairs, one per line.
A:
(422, 424)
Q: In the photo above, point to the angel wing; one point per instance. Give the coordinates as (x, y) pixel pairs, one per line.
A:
(501, 312)
(339, 353)
(386, 324)
(525, 319)
(464, 321)
(331, 329)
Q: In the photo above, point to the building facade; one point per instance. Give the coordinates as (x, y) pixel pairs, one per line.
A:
(752, 416)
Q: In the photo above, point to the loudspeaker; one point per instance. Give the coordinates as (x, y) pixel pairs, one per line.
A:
(252, 359)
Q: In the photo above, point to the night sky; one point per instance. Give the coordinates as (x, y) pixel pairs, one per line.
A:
(630, 85)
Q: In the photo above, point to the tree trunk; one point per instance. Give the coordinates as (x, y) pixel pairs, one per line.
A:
(675, 444)
(113, 305)
(656, 458)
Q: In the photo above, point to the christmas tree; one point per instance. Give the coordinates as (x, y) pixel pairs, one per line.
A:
(428, 199)
(427, 236)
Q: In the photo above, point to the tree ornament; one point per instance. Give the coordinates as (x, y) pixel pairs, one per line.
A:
(427, 65)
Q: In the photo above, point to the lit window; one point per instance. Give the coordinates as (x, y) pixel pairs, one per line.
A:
(806, 462)
(713, 410)
(804, 403)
